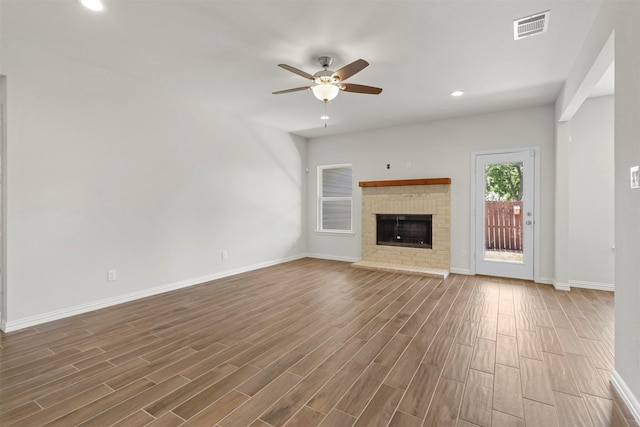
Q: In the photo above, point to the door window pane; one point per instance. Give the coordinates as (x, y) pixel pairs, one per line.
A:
(503, 212)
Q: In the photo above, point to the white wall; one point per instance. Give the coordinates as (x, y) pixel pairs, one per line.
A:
(620, 18)
(435, 149)
(591, 195)
(627, 205)
(105, 172)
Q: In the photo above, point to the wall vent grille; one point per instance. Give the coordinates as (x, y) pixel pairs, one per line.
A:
(531, 25)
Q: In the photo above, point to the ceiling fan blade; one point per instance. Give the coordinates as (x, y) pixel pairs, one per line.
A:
(295, 89)
(349, 87)
(350, 69)
(296, 71)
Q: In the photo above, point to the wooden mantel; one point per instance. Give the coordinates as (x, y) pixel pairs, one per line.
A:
(397, 182)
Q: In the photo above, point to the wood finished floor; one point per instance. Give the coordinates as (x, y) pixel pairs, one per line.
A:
(319, 343)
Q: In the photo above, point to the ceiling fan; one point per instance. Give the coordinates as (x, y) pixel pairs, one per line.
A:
(327, 84)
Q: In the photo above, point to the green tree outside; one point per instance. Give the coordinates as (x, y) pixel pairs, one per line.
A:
(503, 182)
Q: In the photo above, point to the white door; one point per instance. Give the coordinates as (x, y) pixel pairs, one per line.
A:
(3, 150)
(504, 214)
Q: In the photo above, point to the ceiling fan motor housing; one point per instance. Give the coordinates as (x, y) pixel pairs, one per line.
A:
(325, 61)
(325, 76)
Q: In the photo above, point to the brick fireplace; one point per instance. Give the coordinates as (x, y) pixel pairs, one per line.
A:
(429, 196)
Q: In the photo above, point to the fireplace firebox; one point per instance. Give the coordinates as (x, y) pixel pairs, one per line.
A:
(412, 231)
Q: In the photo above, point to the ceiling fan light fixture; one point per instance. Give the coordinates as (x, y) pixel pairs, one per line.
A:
(457, 93)
(325, 92)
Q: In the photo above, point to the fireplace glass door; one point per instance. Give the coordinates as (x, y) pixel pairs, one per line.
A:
(412, 231)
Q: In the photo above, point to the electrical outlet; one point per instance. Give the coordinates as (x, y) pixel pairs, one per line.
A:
(464, 254)
(225, 255)
(111, 275)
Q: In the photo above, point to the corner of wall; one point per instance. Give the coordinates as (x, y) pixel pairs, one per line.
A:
(627, 396)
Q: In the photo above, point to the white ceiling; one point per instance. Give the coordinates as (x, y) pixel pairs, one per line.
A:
(223, 55)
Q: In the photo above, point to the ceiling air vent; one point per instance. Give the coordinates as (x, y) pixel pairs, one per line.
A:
(531, 25)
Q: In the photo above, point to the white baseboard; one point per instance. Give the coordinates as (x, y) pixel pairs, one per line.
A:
(561, 286)
(627, 396)
(28, 322)
(543, 280)
(464, 271)
(333, 257)
(581, 284)
(592, 285)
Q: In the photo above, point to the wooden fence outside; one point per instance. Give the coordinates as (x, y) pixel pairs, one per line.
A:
(503, 226)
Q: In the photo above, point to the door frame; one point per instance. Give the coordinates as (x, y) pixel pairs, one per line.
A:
(3, 203)
(536, 201)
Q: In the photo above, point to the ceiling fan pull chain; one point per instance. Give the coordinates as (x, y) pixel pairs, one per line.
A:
(326, 117)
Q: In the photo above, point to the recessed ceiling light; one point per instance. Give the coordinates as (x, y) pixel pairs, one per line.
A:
(457, 93)
(324, 117)
(95, 5)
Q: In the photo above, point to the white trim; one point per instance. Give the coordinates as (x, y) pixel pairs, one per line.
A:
(561, 286)
(592, 285)
(537, 240)
(27, 322)
(334, 257)
(320, 198)
(3, 201)
(464, 271)
(627, 396)
(335, 233)
(472, 215)
(544, 280)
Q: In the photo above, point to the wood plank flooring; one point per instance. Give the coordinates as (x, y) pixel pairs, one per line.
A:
(319, 343)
